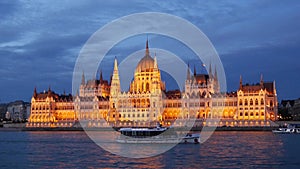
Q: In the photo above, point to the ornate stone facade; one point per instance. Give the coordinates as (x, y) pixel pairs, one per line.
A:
(100, 103)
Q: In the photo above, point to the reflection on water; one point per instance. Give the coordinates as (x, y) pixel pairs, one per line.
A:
(222, 150)
(107, 141)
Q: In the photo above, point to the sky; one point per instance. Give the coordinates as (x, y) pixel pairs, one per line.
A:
(41, 40)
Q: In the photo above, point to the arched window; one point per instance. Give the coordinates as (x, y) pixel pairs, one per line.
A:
(240, 102)
(147, 87)
(251, 102)
(143, 87)
(262, 102)
(246, 102)
(271, 103)
(256, 102)
(204, 94)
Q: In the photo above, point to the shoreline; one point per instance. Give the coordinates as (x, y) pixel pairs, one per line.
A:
(256, 128)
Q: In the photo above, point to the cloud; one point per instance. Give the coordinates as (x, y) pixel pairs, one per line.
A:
(40, 41)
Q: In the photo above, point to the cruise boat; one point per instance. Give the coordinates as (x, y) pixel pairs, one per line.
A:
(155, 135)
(291, 128)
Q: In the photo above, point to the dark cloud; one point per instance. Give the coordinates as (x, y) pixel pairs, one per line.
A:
(41, 40)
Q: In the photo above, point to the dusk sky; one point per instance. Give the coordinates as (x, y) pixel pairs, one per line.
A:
(40, 40)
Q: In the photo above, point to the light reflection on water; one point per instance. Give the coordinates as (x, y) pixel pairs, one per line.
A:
(222, 150)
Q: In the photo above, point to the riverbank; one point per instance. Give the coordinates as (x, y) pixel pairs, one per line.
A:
(109, 129)
(22, 127)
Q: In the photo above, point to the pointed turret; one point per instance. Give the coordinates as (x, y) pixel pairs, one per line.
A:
(82, 79)
(274, 88)
(101, 77)
(115, 80)
(116, 66)
(241, 82)
(216, 81)
(49, 91)
(34, 93)
(210, 71)
(261, 80)
(216, 74)
(188, 76)
(155, 62)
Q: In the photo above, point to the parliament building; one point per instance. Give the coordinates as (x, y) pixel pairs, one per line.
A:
(101, 103)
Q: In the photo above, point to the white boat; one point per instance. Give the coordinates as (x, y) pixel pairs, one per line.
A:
(291, 128)
(191, 138)
(158, 135)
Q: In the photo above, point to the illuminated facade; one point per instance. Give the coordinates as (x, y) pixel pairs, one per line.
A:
(49, 109)
(100, 103)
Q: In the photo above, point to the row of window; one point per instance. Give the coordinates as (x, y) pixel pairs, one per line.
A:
(252, 114)
(251, 102)
(133, 110)
(136, 115)
(251, 108)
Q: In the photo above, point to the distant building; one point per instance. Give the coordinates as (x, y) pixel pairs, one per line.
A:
(290, 109)
(18, 111)
(3, 110)
(147, 102)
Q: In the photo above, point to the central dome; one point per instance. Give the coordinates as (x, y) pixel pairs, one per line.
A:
(146, 63)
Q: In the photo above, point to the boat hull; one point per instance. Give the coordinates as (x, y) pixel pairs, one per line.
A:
(191, 138)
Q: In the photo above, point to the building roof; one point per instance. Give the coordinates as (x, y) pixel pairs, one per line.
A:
(172, 94)
(201, 78)
(145, 64)
(56, 97)
(285, 102)
(269, 86)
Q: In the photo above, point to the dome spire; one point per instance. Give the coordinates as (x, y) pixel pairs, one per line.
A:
(147, 48)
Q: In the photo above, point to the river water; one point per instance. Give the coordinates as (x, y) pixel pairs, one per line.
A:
(222, 150)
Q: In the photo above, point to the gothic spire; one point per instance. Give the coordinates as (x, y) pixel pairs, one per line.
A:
(261, 80)
(188, 76)
(216, 74)
(115, 80)
(210, 71)
(155, 62)
(147, 53)
(115, 65)
(49, 91)
(241, 82)
(82, 79)
(101, 77)
(34, 92)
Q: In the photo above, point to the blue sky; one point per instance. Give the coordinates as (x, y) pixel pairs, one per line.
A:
(40, 40)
